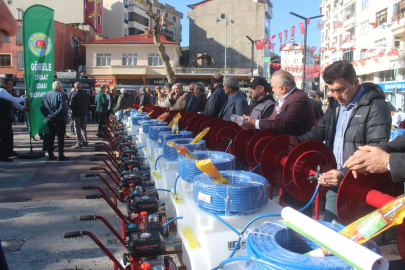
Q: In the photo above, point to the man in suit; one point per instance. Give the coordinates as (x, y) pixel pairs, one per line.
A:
(190, 104)
(236, 103)
(178, 98)
(200, 99)
(317, 105)
(145, 97)
(80, 104)
(216, 97)
(292, 113)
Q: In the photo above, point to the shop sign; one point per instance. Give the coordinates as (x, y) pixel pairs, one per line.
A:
(104, 81)
(158, 81)
(66, 75)
(389, 87)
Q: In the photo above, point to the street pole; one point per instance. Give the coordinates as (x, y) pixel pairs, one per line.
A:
(226, 45)
(305, 43)
(252, 55)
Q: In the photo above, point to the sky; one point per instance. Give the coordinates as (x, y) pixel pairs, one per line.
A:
(282, 19)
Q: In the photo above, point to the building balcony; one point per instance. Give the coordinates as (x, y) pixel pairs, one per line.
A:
(210, 71)
(167, 32)
(126, 21)
(128, 70)
(269, 12)
(169, 21)
(350, 23)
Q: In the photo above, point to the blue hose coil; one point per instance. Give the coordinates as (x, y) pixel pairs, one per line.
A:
(247, 193)
(170, 153)
(137, 119)
(222, 161)
(166, 136)
(136, 114)
(283, 248)
(155, 130)
(147, 124)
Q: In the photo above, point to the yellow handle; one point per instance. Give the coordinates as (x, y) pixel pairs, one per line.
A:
(200, 136)
(178, 116)
(208, 168)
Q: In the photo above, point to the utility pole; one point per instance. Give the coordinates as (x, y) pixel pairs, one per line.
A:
(227, 20)
(305, 43)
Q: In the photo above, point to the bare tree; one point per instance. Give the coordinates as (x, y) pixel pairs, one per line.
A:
(156, 31)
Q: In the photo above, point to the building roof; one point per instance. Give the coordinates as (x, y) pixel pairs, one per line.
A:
(132, 39)
(193, 6)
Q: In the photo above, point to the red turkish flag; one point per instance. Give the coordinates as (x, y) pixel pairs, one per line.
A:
(313, 68)
(282, 45)
(342, 49)
(273, 36)
(337, 25)
(322, 49)
(363, 50)
(389, 53)
(302, 28)
(371, 50)
(271, 46)
(302, 49)
(347, 38)
(375, 57)
(355, 63)
(264, 43)
(318, 68)
(286, 34)
(352, 49)
(281, 37)
(293, 31)
(382, 52)
(332, 48)
(313, 48)
(394, 52)
(258, 44)
(291, 48)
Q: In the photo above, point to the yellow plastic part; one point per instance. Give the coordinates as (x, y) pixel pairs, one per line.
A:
(200, 136)
(208, 168)
(178, 116)
(150, 113)
(180, 151)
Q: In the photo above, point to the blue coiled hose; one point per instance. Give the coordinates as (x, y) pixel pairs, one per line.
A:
(147, 124)
(155, 130)
(247, 193)
(282, 248)
(170, 153)
(222, 161)
(166, 136)
(136, 113)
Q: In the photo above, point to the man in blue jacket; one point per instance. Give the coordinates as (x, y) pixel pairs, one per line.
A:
(236, 103)
(54, 108)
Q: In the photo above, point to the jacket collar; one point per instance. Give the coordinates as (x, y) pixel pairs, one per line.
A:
(371, 92)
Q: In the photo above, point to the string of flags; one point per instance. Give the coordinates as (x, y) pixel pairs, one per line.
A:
(310, 70)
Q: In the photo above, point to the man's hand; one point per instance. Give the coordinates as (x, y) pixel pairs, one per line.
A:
(26, 109)
(249, 123)
(172, 93)
(331, 179)
(368, 159)
(26, 98)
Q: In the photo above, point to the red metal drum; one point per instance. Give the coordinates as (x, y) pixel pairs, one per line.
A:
(256, 138)
(222, 134)
(240, 145)
(303, 160)
(172, 114)
(212, 123)
(200, 123)
(183, 119)
(192, 123)
(274, 157)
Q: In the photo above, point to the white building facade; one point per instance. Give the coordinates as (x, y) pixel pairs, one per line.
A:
(371, 34)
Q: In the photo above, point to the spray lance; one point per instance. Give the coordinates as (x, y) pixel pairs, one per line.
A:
(150, 113)
(182, 150)
(141, 109)
(200, 135)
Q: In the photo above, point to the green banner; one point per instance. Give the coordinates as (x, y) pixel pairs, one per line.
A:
(267, 59)
(38, 62)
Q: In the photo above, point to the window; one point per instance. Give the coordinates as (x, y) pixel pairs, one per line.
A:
(365, 4)
(134, 17)
(18, 39)
(125, 16)
(295, 61)
(348, 12)
(8, 39)
(379, 45)
(5, 60)
(19, 14)
(364, 28)
(158, 11)
(286, 61)
(125, 32)
(129, 59)
(20, 60)
(103, 60)
(98, 19)
(363, 55)
(154, 60)
(381, 17)
(174, 18)
(296, 52)
(174, 31)
(386, 76)
(398, 43)
(9, 2)
(347, 55)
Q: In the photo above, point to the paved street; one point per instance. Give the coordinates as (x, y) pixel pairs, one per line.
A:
(40, 200)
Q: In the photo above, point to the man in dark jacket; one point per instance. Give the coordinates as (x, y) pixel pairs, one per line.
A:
(216, 98)
(101, 109)
(54, 108)
(385, 157)
(80, 103)
(200, 99)
(191, 88)
(236, 103)
(315, 104)
(357, 115)
(145, 97)
(263, 105)
(124, 102)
